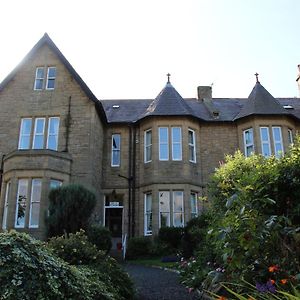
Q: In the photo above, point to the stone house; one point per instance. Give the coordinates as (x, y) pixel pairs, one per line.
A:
(147, 160)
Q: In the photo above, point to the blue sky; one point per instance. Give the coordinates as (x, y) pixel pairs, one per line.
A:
(124, 49)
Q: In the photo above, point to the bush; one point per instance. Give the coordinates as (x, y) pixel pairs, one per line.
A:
(28, 270)
(194, 234)
(75, 249)
(138, 247)
(171, 236)
(70, 208)
(100, 236)
(78, 250)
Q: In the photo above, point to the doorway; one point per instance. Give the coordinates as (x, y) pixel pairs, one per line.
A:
(114, 222)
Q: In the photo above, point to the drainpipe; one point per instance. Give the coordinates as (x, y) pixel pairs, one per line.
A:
(133, 179)
(129, 183)
(1, 171)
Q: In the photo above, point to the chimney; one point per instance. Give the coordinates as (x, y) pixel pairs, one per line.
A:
(204, 92)
(298, 79)
(205, 95)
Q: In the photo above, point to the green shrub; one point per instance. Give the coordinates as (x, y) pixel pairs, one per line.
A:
(28, 270)
(76, 249)
(70, 208)
(100, 236)
(138, 247)
(171, 236)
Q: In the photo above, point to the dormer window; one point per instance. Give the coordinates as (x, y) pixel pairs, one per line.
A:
(40, 78)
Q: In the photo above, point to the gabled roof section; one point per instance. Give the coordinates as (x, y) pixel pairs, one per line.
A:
(260, 102)
(168, 103)
(46, 40)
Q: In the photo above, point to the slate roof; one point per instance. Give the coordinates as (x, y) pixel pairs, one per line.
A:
(168, 103)
(261, 102)
(46, 40)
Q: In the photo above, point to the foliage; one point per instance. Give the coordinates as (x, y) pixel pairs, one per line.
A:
(138, 247)
(76, 249)
(254, 233)
(70, 208)
(28, 270)
(100, 236)
(171, 236)
(194, 234)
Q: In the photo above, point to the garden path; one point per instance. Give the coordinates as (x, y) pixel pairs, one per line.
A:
(157, 284)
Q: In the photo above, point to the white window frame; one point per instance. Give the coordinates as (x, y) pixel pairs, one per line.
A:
(148, 197)
(276, 142)
(50, 78)
(178, 212)
(36, 201)
(147, 147)
(192, 145)
(35, 134)
(248, 145)
(117, 150)
(24, 135)
(267, 142)
(39, 78)
(165, 212)
(56, 134)
(163, 143)
(194, 198)
(176, 143)
(17, 202)
(290, 136)
(5, 209)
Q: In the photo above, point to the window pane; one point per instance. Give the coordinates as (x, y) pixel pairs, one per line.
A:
(21, 203)
(148, 214)
(178, 220)
(163, 152)
(55, 184)
(148, 146)
(276, 133)
(178, 201)
(164, 201)
(51, 72)
(25, 131)
(266, 150)
(50, 83)
(249, 150)
(264, 134)
(5, 211)
(191, 137)
(177, 151)
(164, 219)
(191, 153)
(40, 73)
(116, 158)
(163, 135)
(36, 190)
(176, 135)
(38, 139)
(53, 128)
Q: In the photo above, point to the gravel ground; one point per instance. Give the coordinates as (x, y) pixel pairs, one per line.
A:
(155, 283)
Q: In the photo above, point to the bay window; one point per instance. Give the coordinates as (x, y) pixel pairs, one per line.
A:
(22, 196)
(36, 190)
(163, 143)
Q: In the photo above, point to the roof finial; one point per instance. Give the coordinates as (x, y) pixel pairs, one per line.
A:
(168, 77)
(256, 74)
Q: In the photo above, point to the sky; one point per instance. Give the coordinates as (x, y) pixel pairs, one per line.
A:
(123, 49)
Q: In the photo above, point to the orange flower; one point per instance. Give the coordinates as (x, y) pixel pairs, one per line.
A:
(222, 298)
(273, 269)
(283, 281)
(272, 281)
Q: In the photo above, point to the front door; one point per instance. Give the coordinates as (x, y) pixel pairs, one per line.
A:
(114, 222)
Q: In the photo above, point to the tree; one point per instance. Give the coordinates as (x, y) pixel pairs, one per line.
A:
(70, 208)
